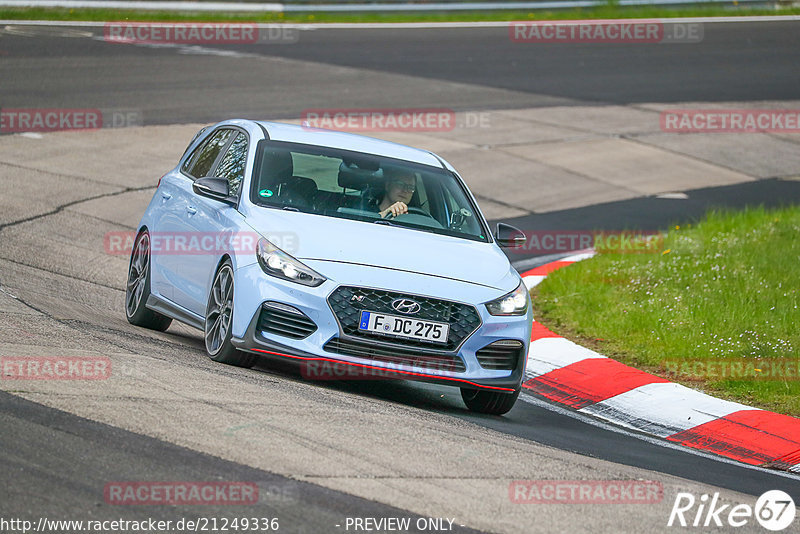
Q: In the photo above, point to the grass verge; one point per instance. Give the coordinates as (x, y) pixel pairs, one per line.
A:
(604, 12)
(715, 309)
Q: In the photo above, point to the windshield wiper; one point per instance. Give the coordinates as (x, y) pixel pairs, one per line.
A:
(290, 208)
(384, 221)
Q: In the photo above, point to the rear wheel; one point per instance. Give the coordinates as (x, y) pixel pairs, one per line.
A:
(137, 290)
(489, 402)
(219, 320)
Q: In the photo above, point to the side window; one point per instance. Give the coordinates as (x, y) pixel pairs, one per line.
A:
(202, 159)
(232, 165)
(200, 132)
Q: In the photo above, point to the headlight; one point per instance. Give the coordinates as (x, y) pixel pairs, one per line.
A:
(515, 303)
(277, 263)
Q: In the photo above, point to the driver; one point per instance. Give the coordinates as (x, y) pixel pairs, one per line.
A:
(399, 188)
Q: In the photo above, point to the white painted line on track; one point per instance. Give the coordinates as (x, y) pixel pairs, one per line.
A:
(144, 5)
(589, 420)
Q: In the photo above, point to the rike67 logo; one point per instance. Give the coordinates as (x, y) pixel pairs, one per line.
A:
(774, 510)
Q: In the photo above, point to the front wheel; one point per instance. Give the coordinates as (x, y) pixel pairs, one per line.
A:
(137, 290)
(489, 402)
(219, 320)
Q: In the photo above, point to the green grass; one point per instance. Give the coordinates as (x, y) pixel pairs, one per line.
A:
(725, 291)
(609, 11)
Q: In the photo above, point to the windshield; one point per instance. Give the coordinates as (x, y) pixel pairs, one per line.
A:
(353, 185)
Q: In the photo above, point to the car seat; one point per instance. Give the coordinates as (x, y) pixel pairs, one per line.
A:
(277, 173)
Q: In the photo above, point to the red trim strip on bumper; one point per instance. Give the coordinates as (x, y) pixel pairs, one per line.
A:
(410, 373)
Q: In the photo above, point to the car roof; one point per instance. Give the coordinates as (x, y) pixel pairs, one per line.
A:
(292, 133)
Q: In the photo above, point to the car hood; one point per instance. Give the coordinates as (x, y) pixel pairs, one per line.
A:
(316, 237)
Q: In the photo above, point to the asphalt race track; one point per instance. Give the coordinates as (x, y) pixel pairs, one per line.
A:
(458, 68)
(322, 452)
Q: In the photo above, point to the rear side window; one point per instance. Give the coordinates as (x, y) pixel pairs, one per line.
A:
(199, 164)
(232, 165)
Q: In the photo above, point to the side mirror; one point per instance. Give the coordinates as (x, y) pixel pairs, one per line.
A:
(216, 188)
(508, 236)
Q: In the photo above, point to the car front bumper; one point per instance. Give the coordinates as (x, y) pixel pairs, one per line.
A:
(318, 362)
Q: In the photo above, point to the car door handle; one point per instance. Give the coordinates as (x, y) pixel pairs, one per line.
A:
(191, 209)
(165, 195)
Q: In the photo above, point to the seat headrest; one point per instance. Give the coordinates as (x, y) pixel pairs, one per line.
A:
(277, 164)
(353, 177)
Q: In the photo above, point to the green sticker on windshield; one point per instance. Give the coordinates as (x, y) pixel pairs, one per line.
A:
(265, 193)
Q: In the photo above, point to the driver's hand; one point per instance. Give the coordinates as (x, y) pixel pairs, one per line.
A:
(398, 208)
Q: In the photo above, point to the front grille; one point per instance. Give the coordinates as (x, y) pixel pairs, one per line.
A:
(283, 320)
(500, 355)
(348, 302)
(389, 354)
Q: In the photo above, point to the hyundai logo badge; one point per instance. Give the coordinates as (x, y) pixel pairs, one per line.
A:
(406, 306)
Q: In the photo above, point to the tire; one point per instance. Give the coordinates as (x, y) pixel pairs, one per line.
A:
(219, 318)
(489, 402)
(137, 289)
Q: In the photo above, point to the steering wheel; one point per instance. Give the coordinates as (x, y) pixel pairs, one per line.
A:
(411, 210)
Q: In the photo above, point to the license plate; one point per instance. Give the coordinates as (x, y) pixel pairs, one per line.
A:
(403, 327)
